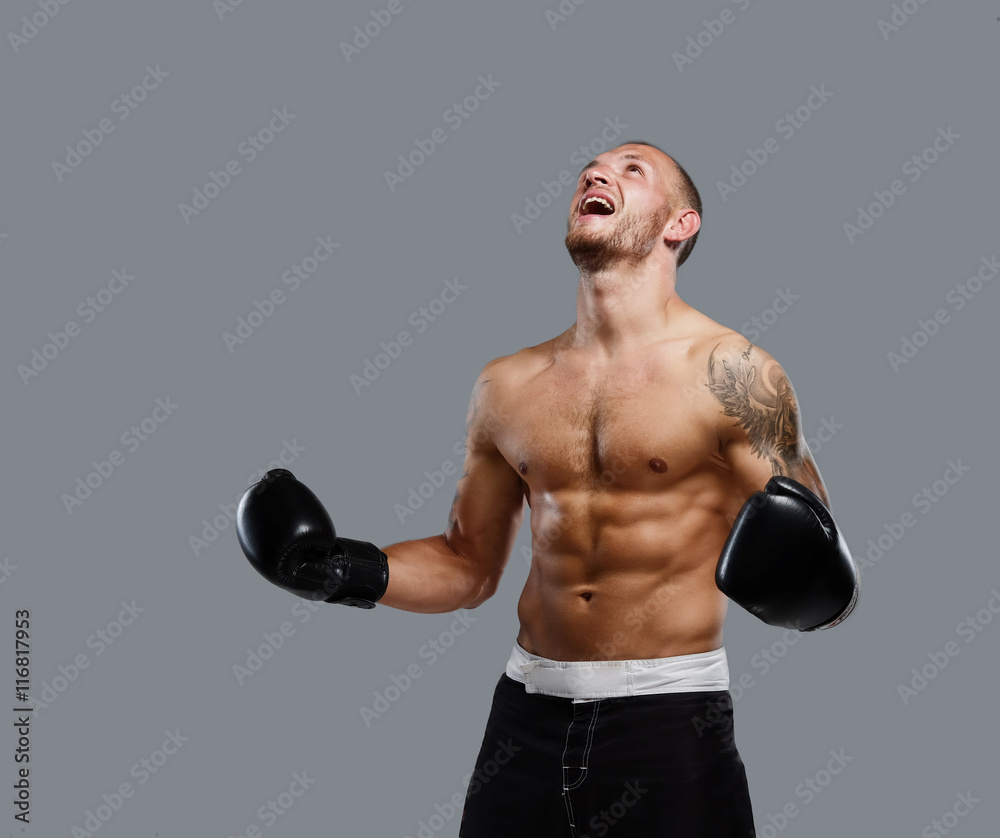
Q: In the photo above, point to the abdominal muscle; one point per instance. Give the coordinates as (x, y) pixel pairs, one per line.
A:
(617, 577)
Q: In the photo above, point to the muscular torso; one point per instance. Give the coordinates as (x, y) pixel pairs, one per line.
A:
(631, 499)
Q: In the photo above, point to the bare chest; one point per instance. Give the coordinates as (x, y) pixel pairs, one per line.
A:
(625, 428)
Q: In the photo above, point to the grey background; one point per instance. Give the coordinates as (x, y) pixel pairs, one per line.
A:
(172, 669)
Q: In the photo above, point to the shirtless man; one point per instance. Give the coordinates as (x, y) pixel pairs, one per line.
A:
(642, 439)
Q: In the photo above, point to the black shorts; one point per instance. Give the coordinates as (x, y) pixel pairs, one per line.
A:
(642, 765)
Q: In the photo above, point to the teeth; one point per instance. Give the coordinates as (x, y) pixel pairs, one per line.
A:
(599, 200)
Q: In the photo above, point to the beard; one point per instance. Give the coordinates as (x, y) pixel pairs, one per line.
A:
(628, 241)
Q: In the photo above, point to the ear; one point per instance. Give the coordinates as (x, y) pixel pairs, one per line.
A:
(681, 228)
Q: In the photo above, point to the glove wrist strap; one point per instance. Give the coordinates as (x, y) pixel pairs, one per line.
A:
(842, 615)
(366, 573)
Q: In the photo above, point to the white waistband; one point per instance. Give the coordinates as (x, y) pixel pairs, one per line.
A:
(590, 680)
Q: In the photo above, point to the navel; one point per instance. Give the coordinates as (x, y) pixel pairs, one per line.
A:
(657, 465)
(586, 596)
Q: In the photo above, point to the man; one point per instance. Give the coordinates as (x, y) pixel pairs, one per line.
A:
(636, 438)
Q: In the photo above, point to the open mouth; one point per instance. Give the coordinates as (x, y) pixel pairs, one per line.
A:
(596, 205)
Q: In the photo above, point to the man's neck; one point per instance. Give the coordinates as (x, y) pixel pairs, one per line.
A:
(624, 309)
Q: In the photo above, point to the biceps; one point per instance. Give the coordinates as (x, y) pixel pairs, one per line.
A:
(487, 511)
(762, 437)
(804, 470)
(752, 469)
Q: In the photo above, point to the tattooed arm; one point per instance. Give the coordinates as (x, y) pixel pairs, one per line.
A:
(785, 560)
(760, 434)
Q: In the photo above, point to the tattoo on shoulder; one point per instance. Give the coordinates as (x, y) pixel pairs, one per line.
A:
(757, 393)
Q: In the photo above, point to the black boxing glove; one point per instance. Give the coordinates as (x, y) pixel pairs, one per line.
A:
(786, 562)
(289, 538)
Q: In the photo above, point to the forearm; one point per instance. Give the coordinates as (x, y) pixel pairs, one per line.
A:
(427, 576)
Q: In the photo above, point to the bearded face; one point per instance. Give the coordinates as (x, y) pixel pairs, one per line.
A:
(597, 240)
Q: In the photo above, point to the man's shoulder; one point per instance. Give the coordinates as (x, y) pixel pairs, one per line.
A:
(520, 364)
(713, 340)
(497, 390)
(736, 373)
(725, 346)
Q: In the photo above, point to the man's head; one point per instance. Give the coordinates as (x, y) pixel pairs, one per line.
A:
(630, 200)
